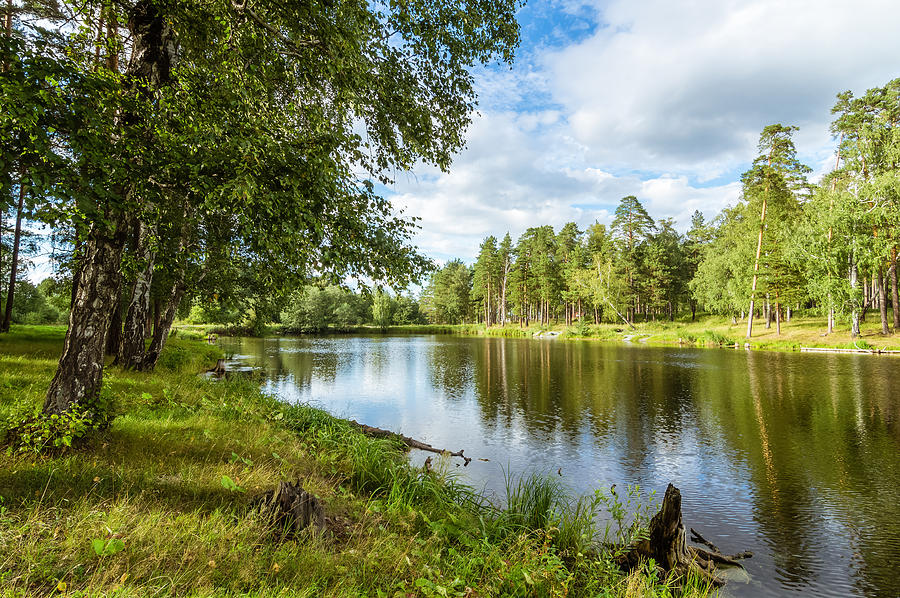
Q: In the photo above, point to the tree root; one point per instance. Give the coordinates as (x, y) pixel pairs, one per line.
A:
(410, 442)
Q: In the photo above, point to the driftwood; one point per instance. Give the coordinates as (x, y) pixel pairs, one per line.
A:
(667, 545)
(697, 538)
(292, 509)
(410, 442)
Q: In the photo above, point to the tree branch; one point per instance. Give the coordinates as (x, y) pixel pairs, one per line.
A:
(291, 43)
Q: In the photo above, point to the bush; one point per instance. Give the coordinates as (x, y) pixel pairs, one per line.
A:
(32, 305)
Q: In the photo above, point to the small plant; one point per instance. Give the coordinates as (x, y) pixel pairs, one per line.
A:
(581, 328)
(231, 485)
(235, 458)
(40, 433)
(621, 506)
(107, 547)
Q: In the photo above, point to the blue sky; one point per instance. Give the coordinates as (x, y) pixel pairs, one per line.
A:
(659, 99)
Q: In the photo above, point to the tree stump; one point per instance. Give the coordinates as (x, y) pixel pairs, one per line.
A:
(219, 370)
(293, 509)
(667, 545)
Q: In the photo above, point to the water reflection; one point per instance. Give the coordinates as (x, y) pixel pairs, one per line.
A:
(793, 456)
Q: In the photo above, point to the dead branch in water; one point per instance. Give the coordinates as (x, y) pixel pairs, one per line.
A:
(410, 442)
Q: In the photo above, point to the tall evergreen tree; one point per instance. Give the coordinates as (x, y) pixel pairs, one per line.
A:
(484, 279)
(773, 183)
(632, 226)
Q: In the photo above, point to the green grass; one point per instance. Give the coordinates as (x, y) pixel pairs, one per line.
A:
(706, 331)
(144, 508)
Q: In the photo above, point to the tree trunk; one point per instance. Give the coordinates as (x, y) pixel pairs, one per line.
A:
(768, 311)
(5, 67)
(80, 372)
(161, 333)
(882, 301)
(503, 301)
(762, 227)
(777, 317)
(292, 509)
(895, 296)
(865, 299)
(131, 349)
(14, 265)
(666, 543)
(854, 282)
(114, 336)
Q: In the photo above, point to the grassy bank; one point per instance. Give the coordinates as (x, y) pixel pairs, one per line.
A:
(707, 331)
(161, 502)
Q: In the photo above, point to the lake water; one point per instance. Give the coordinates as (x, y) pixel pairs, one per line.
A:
(795, 457)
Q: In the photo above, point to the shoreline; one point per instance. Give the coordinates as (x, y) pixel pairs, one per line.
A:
(799, 336)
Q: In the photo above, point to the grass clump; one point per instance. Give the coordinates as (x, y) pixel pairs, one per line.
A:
(712, 337)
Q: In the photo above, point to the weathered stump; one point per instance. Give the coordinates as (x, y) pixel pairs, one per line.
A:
(667, 545)
(293, 509)
(219, 370)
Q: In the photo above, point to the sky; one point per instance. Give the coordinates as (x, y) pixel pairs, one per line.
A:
(660, 99)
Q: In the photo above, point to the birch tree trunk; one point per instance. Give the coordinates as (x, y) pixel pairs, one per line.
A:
(114, 336)
(80, 371)
(131, 348)
(161, 333)
(777, 316)
(882, 301)
(854, 283)
(895, 296)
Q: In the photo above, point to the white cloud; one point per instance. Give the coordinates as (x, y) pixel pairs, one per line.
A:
(514, 175)
(687, 86)
(662, 100)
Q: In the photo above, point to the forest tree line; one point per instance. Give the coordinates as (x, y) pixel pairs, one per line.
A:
(828, 248)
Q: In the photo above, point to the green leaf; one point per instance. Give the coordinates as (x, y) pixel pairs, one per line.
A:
(107, 547)
(230, 484)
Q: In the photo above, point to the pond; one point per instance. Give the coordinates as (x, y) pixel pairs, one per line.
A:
(795, 457)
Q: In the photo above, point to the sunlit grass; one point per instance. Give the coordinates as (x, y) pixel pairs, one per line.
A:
(706, 331)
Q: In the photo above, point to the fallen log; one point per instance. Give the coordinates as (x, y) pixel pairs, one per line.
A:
(667, 545)
(410, 442)
(292, 509)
